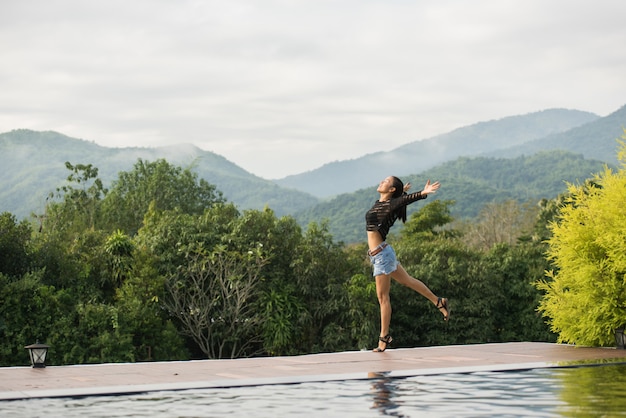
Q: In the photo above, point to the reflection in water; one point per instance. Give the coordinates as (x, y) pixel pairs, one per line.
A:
(384, 393)
(588, 391)
(571, 391)
(593, 391)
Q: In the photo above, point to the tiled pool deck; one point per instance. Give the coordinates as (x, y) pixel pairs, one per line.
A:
(108, 379)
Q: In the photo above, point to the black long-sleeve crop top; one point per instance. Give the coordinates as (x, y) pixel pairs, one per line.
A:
(382, 215)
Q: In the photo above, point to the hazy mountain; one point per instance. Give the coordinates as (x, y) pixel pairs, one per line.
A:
(530, 171)
(596, 139)
(470, 182)
(345, 176)
(33, 165)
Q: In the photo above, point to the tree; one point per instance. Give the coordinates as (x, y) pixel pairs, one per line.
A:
(79, 207)
(430, 220)
(69, 239)
(15, 245)
(24, 301)
(281, 325)
(515, 269)
(320, 272)
(140, 314)
(211, 297)
(282, 309)
(585, 298)
(118, 249)
(362, 310)
(500, 223)
(165, 234)
(165, 186)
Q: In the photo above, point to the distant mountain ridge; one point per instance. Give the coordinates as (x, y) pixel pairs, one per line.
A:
(594, 140)
(33, 165)
(33, 162)
(415, 157)
(471, 182)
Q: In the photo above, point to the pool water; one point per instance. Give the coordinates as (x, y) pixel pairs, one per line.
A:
(590, 391)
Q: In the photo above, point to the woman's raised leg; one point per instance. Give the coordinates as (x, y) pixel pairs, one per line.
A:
(402, 277)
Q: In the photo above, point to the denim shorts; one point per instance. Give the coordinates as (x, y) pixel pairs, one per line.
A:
(384, 262)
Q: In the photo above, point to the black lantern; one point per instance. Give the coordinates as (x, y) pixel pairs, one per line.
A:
(620, 339)
(38, 354)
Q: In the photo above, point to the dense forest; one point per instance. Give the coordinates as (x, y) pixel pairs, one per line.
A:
(160, 266)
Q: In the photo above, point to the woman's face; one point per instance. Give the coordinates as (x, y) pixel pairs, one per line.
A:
(386, 186)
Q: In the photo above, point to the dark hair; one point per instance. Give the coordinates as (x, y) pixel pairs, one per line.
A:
(399, 186)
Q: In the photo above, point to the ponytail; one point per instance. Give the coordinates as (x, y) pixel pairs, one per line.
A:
(399, 213)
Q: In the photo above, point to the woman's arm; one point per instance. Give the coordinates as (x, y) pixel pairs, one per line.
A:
(430, 187)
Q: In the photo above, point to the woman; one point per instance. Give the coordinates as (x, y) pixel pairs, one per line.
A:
(379, 219)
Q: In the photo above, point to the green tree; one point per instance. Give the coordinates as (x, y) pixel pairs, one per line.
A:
(320, 272)
(69, 238)
(15, 245)
(210, 296)
(118, 249)
(28, 312)
(430, 220)
(585, 298)
(138, 299)
(283, 311)
(165, 235)
(281, 325)
(99, 337)
(515, 269)
(161, 184)
(79, 204)
(362, 310)
(213, 285)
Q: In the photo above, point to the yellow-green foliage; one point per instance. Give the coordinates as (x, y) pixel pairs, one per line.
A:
(585, 296)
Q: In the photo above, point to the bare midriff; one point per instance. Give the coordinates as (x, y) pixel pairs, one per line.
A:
(374, 239)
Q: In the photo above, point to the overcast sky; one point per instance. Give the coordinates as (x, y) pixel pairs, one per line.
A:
(282, 87)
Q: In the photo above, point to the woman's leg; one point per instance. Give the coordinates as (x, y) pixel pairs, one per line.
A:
(402, 277)
(383, 285)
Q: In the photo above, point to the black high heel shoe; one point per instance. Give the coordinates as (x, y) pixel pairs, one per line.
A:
(387, 340)
(442, 303)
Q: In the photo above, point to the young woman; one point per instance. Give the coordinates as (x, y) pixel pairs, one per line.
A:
(379, 219)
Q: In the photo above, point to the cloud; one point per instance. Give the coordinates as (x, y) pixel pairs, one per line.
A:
(281, 87)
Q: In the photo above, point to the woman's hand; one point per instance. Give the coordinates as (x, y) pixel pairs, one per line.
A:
(407, 187)
(431, 187)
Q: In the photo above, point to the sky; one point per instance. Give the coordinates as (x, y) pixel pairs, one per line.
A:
(280, 87)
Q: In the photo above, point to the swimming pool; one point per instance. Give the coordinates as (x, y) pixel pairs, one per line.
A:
(588, 391)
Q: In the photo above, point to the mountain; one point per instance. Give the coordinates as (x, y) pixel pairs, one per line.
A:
(533, 170)
(595, 139)
(345, 176)
(33, 165)
(470, 182)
